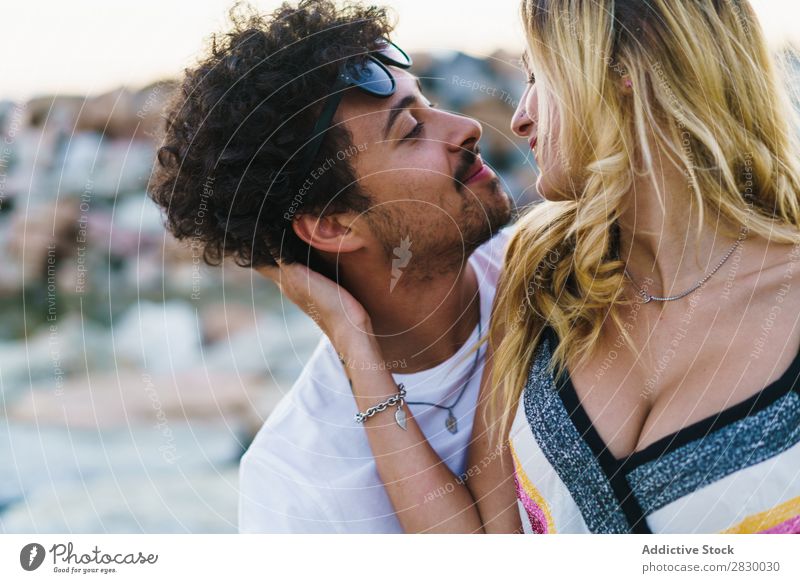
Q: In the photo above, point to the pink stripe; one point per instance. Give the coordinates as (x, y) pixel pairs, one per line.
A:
(791, 526)
(535, 512)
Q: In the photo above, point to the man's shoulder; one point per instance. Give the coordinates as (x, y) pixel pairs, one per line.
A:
(320, 391)
(279, 496)
(285, 473)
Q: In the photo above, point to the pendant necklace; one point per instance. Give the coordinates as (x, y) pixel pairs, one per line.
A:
(451, 423)
(646, 297)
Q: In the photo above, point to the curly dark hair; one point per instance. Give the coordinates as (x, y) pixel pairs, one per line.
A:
(227, 172)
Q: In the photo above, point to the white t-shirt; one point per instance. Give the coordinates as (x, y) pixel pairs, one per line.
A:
(310, 468)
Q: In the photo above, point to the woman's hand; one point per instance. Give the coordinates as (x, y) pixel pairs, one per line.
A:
(407, 464)
(340, 316)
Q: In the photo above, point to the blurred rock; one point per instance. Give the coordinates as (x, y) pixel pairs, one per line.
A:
(108, 401)
(121, 113)
(34, 234)
(46, 460)
(195, 502)
(223, 320)
(65, 347)
(158, 337)
(279, 344)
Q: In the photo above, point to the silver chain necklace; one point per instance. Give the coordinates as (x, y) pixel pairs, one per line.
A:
(451, 423)
(648, 298)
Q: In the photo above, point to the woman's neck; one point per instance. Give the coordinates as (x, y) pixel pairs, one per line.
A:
(660, 240)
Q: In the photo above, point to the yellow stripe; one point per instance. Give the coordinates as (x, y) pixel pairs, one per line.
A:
(767, 519)
(531, 490)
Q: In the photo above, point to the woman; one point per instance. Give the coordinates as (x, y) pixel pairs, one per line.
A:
(660, 276)
(644, 341)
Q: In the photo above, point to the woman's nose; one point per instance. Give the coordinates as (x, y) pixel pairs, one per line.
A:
(521, 124)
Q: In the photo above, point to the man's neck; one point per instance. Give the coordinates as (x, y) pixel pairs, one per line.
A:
(418, 324)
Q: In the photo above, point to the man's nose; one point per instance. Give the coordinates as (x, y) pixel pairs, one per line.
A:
(466, 133)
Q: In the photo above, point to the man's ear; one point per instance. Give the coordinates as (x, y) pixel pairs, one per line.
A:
(334, 233)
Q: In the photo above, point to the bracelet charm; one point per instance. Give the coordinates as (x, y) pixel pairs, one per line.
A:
(399, 415)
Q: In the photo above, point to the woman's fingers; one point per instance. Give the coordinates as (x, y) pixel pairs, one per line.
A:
(269, 271)
(286, 273)
(298, 282)
(329, 304)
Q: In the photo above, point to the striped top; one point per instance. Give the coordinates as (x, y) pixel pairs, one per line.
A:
(736, 472)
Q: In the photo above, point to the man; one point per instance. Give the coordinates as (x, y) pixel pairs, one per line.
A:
(304, 138)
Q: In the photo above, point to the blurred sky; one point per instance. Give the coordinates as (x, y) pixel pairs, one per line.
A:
(91, 46)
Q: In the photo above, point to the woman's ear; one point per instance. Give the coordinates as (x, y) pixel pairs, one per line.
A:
(626, 84)
(333, 233)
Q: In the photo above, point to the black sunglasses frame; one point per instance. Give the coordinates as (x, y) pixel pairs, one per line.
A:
(376, 61)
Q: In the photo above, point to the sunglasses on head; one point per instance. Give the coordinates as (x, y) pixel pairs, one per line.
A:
(370, 76)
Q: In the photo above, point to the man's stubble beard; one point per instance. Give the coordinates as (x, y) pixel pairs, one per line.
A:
(431, 255)
(485, 219)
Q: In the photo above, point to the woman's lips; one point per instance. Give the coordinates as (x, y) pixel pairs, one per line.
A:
(533, 143)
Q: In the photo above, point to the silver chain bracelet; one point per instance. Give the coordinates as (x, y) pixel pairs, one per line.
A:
(399, 415)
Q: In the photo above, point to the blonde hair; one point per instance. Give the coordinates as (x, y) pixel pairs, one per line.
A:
(705, 86)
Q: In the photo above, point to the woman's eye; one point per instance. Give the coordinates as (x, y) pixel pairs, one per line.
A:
(531, 79)
(416, 131)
